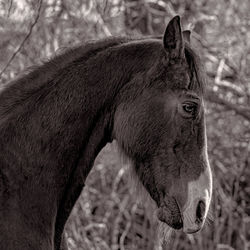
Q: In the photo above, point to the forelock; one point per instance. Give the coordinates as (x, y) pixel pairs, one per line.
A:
(196, 69)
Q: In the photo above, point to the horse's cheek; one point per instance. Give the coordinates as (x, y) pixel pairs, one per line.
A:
(126, 130)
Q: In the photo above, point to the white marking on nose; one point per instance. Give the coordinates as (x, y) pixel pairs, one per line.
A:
(198, 190)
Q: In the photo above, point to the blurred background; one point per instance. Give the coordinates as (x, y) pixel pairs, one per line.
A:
(107, 215)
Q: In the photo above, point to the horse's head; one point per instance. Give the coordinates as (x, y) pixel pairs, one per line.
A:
(160, 126)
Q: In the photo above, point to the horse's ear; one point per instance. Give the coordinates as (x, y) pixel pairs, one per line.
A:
(186, 35)
(173, 40)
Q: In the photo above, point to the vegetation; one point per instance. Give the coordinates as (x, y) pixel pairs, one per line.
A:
(107, 215)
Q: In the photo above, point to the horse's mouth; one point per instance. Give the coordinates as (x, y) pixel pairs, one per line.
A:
(169, 213)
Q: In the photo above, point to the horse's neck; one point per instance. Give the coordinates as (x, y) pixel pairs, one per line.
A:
(62, 126)
(104, 82)
(105, 75)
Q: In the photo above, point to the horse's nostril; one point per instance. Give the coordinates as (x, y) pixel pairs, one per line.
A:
(200, 212)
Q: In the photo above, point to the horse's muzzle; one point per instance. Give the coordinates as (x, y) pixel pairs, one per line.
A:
(169, 213)
(194, 221)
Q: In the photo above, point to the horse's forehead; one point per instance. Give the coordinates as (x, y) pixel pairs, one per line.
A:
(170, 101)
(178, 77)
(174, 96)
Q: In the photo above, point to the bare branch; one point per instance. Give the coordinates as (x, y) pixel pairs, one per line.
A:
(25, 39)
(105, 28)
(9, 9)
(240, 110)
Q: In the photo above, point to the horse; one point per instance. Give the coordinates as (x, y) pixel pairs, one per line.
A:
(147, 94)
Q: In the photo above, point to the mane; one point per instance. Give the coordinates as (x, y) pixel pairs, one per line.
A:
(196, 68)
(68, 55)
(45, 71)
(194, 63)
(36, 77)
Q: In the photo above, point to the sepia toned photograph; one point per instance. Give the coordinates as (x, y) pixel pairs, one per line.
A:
(124, 125)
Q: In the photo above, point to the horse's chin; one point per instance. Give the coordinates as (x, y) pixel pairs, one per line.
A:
(170, 214)
(167, 215)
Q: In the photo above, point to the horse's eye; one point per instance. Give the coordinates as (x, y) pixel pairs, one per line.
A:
(189, 108)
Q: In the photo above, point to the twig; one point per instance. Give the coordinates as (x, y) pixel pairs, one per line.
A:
(218, 79)
(118, 219)
(243, 111)
(9, 9)
(126, 231)
(219, 71)
(24, 40)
